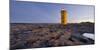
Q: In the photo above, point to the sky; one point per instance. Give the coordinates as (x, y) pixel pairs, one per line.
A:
(38, 12)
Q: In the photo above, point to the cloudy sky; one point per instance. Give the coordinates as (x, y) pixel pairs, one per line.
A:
(35, 12)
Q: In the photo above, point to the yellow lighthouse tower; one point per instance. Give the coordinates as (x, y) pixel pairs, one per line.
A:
(64, 16)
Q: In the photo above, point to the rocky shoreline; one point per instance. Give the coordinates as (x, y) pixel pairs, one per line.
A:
(49, 35)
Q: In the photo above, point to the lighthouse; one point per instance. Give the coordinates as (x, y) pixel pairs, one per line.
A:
(64, 16)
